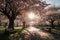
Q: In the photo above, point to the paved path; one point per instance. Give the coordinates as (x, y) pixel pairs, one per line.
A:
(37, 34)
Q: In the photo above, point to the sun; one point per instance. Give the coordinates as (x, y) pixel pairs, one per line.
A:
(31, 15)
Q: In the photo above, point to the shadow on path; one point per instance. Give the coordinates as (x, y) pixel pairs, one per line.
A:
(37, 34)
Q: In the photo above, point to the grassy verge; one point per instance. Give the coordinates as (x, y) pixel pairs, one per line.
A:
(57, 31)
(11, 36)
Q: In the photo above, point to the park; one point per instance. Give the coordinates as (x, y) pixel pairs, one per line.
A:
(29, 20)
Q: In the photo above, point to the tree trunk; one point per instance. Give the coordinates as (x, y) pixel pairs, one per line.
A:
(0, 22)
(10, 28)
(24, 25)
(52, 23)
(11, 24)
(58, 24)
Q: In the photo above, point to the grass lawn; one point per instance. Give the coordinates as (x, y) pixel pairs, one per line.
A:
(57, 31)
(11, 36)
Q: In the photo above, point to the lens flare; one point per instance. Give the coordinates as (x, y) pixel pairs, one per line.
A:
(31, 15)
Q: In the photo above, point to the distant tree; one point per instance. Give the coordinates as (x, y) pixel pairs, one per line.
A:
(52, 14)
(53, 17)
(32, 5)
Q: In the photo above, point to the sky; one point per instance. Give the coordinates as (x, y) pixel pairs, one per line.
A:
(53, 2)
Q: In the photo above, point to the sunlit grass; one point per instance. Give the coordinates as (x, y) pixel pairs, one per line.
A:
(17, 28)
(13, 35)
(2, 28)
(56, 31)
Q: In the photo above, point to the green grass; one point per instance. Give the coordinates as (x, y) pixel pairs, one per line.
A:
(2, 28)
(17, 28)
(11, 36)
(57, 31)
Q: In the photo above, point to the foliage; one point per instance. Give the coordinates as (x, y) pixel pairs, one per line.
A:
(52, 13)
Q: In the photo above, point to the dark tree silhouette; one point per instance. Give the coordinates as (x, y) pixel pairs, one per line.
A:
(9, 8)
